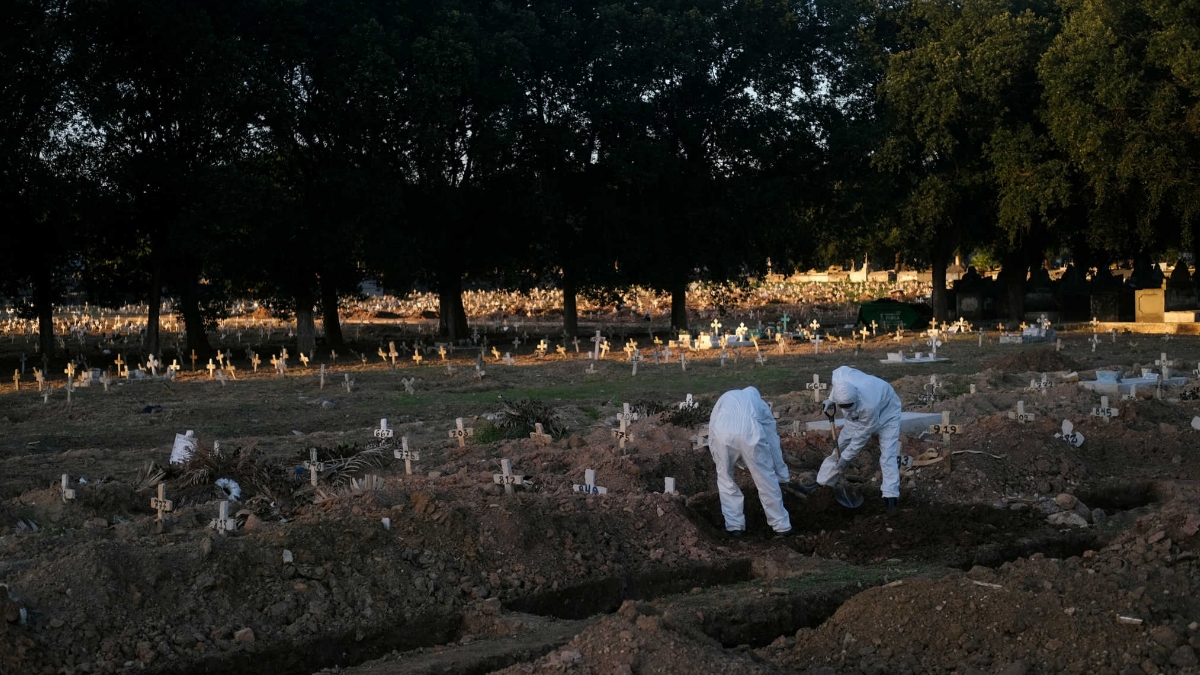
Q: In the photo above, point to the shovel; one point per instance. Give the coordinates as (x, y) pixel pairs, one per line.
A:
(843, 496)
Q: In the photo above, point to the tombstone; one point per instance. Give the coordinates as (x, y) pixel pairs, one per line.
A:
(313, 466)
(67, 492)
(506, 477)
(1149, 305)
(461, 433)
(589, 486)
(969, 295)
(223, 524)
(1020, 415)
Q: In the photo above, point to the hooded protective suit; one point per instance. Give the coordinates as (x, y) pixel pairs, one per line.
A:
(742, 427)
(875, 410)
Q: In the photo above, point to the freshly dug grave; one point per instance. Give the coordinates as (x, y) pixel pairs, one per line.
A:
(1131, 604)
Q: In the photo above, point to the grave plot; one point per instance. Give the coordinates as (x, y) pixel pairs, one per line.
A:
(407, 540)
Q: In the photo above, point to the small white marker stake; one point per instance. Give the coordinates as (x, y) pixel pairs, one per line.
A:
(223, 524)
(67, 493)
(669, 484)
(461, 433)
(1020, 415)
(506, 477)
(589, 486)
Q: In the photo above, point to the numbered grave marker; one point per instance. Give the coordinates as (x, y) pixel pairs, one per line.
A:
(160, 503)
(946, 429)
(313, 466)
(506, 477)
(816, 387)
(223, 524)
(461, 433)
(626, 415)
(1020, 415)
(622, 435)
(1104, 411)
(409, 456)
(589, 486)
(539, 436)
(1069, 434)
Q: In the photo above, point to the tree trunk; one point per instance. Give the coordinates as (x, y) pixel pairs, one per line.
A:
(679, 317)
(43, 300)
(155, 305)
(452, 318)
(193, 322)
(1014, 269)
(329, 314)
(570, 310)
(940, 259)
(306, 327)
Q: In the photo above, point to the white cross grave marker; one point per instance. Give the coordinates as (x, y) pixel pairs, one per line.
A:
(1166, 364)
(461, 433)
(314, 467)
(154, 363)
(596, 342)
(1069, 434)
(622, 435)
(67, 492)
(223, 524)
(688, 403)
(408, 385)
(589, 486)
(816, 387)
(1104, 411)
(626, 415)
(1020, 415)
(409, 456)
(348, 383)
(506, 477)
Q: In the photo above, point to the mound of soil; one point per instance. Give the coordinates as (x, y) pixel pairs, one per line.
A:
(1129, 605)
(1034, 361)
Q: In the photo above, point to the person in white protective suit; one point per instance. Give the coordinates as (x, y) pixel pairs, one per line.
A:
(870, 407)
(742, 428)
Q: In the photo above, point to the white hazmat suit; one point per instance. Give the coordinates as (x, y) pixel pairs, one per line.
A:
(874, 409)
(742, 427)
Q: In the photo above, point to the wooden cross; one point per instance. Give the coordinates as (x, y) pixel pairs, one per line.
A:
(1020, 415)
(392, 353)
(899, 336)
(161, 503)
(1095, 341)
(314, 467)
(348, 383)
(604, 348)
(222, 377)
(933, 342)
(946, 429)
(67, 492)
(461, 433)
(816, 387)
(211, 367)
(409, 456)
(442, 351)
(416, 357)
(220, 358)
(1104, 411)
(509, 360)
(596, 348)
(561, 350)
(496, 353)
(193, 361)
(622, 435)
(626, 414)
(322, 375)
(1165, 364)
(629, 349)
(408, 385)
(540, 350)
(479, 372)
(70, 371)
(303, 360)
(506, 477)
(223, 524)
(589, 486)
(17, 379)
(874, 326)
(864, 333)
(816, 341)
(254, 361)
(540, 437)
(154, 363)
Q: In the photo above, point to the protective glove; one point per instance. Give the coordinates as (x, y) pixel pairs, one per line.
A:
(829, 407)
(842, 464)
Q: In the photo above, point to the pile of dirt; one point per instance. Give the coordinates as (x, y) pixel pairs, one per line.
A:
(1034, 361)
(1130, 605)
(640, 638)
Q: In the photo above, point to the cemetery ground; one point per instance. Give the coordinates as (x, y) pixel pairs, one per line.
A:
(1014, 550)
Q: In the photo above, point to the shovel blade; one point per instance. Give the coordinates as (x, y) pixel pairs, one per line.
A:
(847, 498)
